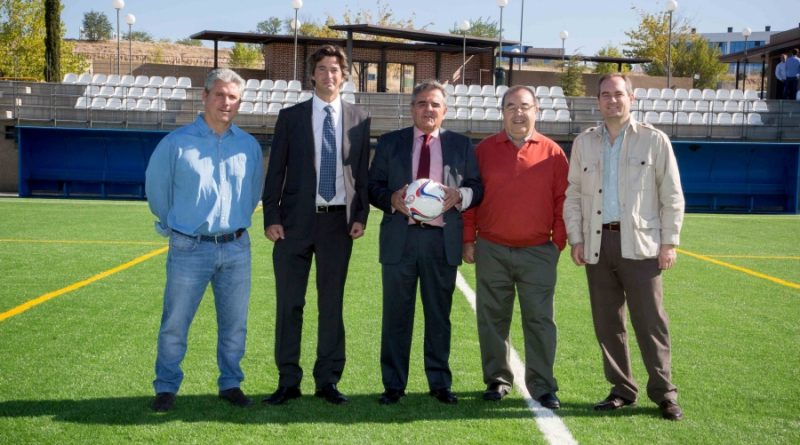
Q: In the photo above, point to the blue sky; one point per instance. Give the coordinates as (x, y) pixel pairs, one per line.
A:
(591, 24)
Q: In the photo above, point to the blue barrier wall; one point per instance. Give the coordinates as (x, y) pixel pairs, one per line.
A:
(731, 177)
(739, 177)
(84, 162)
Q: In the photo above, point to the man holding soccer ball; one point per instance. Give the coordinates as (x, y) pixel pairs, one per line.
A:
(427, 252)
(515, 238)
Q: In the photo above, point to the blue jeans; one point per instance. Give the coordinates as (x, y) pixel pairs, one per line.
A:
(191, 265)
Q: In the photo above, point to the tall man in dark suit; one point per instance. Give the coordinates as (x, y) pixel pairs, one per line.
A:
(429, 253)
(315, 203)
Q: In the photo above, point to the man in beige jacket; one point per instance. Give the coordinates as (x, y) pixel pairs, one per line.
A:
(623, 212)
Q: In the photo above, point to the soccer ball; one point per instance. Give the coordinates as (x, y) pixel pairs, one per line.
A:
(425, 199)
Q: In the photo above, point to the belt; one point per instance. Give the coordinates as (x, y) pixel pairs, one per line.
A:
(423, 225)
(612, 226)
(330, 209)
(217, 239)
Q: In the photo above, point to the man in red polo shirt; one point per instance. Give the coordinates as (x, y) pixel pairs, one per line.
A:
(515, 237)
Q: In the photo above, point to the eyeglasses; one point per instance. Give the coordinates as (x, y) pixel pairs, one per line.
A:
(511, 108)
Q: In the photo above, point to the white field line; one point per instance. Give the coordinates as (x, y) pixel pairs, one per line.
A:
(554, 430)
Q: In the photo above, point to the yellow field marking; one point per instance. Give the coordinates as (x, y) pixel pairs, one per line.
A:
(50, 295)
(42, 241)
(756, 257)
(741, 269)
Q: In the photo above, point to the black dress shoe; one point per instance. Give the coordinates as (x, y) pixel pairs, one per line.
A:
(495, 392)
(391, 396)
(670, 410)
(549, 401)
(282, 395)
(235, 396)
(612, 402)
(331, 394)
(444, 395)
(164, 401)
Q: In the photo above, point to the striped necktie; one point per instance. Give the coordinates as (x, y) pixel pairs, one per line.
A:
(327, 164)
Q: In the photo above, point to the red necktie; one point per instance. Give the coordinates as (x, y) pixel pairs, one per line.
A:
(424, 166)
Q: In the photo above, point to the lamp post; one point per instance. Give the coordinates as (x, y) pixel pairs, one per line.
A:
(502, 4)
(563, 35)
(464, 27)
(521, 22)
(130, 19)
(296, 5)
(672, 5)
(746, 32)
(118, 4)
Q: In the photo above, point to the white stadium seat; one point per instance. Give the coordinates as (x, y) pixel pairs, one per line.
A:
(70, 78)
(542, 91)
(296, 86)
(170, 82)
(184, 82)
(252, 84)
(556, 91)
(547, 115)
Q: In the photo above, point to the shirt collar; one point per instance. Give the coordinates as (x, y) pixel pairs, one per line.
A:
(535, 137)
(419, 133)
(319, 104)
(204, 129)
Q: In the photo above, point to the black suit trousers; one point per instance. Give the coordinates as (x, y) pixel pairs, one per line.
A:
(331, 244)
(423, 261)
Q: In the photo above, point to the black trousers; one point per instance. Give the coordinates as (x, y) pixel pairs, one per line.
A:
(423, 261)
(331, 245)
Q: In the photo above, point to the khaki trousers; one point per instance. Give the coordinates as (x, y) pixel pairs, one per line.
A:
(614, 283)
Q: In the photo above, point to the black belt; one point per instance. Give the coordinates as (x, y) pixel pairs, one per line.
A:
(218, 239)
(612, 226)
(423, 225)
(330, 209)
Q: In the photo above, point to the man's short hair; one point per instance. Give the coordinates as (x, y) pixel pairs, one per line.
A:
(795, 51)
(226, 75)
(516, 88)
(604, 77)
(425, 86)
(323, 52)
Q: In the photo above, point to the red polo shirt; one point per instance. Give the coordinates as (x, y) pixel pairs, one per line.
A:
(523, 194)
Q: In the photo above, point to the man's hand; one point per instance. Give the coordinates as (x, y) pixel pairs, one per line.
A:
(357, 231)
(451, 197)
(399, 202)
(577, 254)
(274, 232)
(468, 253)
(667, 256)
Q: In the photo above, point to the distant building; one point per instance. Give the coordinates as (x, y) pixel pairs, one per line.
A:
(733, 42)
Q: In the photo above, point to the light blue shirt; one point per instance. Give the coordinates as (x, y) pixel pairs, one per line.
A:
(792, 66)
(200, 183)
(611, 152)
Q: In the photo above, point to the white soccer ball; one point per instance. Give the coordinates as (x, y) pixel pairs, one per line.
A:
(425, 199)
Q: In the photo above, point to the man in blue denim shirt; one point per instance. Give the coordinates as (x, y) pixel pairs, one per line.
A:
(203, 183)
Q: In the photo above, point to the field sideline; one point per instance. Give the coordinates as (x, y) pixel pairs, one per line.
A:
(81, 303)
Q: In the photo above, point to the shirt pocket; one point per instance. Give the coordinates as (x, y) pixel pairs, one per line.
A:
(641, 174)
(590, 172)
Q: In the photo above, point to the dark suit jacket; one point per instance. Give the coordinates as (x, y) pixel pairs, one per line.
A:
(391, 170)
(290, 188)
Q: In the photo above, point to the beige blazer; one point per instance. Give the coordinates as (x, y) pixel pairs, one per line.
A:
(651, 199)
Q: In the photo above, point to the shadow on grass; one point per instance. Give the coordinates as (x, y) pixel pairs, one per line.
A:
(363, 408)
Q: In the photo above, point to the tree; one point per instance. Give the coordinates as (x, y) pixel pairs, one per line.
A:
(572, 78)
(138, 36)
(52, 41)
(384, 16)
(479, 27)
(22, 37)
(605, 68)
(189, 42)
(96, 26)
(650, 40)
(270, 26)
(245, 55)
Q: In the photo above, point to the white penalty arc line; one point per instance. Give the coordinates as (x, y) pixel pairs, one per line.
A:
(553, 428)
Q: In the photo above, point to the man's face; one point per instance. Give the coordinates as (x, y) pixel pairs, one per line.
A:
(615, 101)
(519, 114)
(428, 110)
(221, 104)
(328, 77)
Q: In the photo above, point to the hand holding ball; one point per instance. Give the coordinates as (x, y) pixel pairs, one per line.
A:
(425, 199)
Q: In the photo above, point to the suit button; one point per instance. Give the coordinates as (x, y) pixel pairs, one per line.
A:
(596, 254)
(600, 191)
(585, 169)
(598, 232)
(599, 212)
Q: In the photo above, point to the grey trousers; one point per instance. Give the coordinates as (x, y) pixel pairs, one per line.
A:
(501, 273)
(614, 283)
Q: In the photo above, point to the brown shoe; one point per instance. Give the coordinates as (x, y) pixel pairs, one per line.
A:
(612, 402)
(670, 410)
